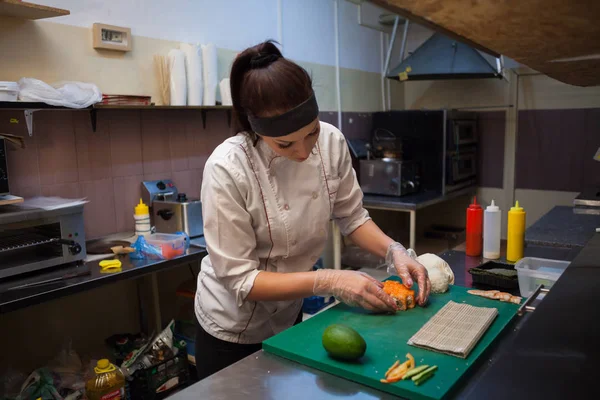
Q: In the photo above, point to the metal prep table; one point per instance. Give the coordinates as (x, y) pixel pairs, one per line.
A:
(410, 204)
(11, 300)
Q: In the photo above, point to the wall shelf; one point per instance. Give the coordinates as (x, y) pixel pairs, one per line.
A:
(21, 9)
(30, 107)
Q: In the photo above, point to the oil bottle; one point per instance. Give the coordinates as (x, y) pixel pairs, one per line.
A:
(109, 382)
(516, 233)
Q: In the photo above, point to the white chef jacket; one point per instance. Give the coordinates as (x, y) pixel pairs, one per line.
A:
(264, 212)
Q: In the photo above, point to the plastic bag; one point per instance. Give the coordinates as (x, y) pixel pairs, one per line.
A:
(40, 384)
(68, 370)
(66, 94)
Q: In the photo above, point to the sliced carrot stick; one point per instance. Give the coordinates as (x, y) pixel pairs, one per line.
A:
(411, 359)
(392, 368)
(398, 372)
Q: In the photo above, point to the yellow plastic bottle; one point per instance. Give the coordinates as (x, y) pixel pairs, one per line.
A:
(516, 233)
(142, 219)
(108, 384)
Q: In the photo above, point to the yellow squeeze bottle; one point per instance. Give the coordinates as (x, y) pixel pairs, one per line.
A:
(142, 219)
(516, 233)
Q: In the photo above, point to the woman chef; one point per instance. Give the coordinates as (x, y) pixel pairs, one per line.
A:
(268, 195)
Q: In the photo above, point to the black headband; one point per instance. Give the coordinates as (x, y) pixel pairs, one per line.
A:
(288, 122)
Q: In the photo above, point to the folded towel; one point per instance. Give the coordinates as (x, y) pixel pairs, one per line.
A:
(455, 329)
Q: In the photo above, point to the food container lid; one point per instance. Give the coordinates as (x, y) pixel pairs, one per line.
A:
(141, 208)
(517, 207)
(474, 205)
(492, 207)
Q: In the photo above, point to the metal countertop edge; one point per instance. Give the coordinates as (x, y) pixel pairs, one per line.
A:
(92, 283)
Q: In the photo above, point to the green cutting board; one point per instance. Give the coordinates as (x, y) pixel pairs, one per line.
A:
(386, 337)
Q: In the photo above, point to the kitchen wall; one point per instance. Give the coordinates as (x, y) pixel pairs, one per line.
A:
(305, 28)
(538, 135)
(64, 157)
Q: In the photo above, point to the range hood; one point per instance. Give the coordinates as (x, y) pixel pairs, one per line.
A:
(443, 58)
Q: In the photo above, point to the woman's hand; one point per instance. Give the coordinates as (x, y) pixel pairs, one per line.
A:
(353, 288)
(408, 269)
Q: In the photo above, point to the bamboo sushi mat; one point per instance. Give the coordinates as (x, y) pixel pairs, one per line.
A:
(455, 329)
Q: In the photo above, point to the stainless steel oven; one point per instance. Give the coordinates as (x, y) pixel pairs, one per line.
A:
(461, 168)
(35, 239)
(461, 132)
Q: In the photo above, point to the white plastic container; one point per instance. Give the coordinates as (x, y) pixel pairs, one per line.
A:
(170, 245)
(491, 231)
(9, 91)
(535, 271)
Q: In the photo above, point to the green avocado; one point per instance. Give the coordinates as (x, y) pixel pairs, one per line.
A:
(343, 342)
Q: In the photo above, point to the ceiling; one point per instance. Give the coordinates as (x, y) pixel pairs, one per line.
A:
(531, 32)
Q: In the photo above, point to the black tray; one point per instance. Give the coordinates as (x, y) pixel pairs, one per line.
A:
(482, 277)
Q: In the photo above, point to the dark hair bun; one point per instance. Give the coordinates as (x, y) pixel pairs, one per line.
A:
(264, 83)
(262, 60)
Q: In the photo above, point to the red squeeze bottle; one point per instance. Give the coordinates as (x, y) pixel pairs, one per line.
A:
(474, 229)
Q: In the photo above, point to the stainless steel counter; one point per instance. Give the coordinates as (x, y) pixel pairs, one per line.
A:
(265, 376)
(413, 202)
(11, 300)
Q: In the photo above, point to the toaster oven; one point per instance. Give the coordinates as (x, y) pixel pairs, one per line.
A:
(172, 211)
(389, 177)
(35, 239)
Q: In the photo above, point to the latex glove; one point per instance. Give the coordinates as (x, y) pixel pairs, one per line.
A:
(354, 288)
(399, 262)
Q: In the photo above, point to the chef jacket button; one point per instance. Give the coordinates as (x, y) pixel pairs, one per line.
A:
(315, 195)
(314, 151)
(286, 207)
(294, 243)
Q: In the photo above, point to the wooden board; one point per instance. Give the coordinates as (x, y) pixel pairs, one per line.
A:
(21, 9)
(534, 32)
(386, 337)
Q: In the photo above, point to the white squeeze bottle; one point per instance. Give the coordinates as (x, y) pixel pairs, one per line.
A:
(491, 231)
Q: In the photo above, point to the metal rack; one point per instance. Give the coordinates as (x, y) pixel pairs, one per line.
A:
(30, 107)
(23, 240)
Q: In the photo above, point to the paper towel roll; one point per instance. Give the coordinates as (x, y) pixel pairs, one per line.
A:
(177, 79)
(225, 89)
(210, 71)
(193, 71)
